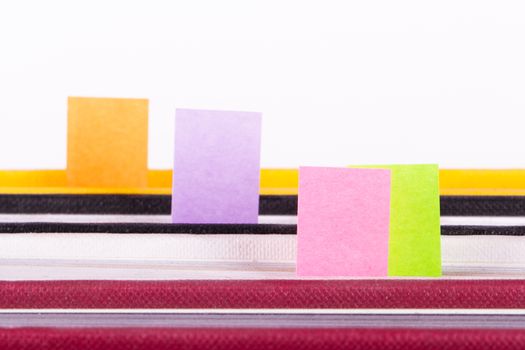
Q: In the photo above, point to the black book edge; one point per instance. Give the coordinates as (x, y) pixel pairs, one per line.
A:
(117, 204)
(215, 229)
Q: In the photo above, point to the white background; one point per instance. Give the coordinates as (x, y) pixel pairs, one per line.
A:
(349, 82)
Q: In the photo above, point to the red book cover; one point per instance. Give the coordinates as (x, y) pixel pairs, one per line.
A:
(255, 339)
(265, 294)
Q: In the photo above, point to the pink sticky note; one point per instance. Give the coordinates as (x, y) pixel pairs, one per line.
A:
(217, 167)
(343, 222)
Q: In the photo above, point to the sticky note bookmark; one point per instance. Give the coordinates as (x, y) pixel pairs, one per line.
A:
(217, 167)
(107, 142)
(343, 222)
(415, 232)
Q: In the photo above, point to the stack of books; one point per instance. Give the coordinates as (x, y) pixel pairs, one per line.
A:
(94, 256)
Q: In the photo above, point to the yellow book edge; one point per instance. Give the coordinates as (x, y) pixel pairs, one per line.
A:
(453, 182)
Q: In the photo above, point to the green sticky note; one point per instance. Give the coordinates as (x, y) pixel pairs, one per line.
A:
(415, 232)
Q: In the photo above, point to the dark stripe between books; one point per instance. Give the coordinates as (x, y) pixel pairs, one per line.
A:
(197, 229)
(269, 205)
(112, 204)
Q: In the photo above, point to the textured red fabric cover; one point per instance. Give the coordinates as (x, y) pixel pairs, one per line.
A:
(265, 294)
(254, 339)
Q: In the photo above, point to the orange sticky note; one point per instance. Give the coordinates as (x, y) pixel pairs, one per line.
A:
(107, 142)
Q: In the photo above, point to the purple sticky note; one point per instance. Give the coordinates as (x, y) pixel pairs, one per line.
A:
(343, 222)
(217, 167)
